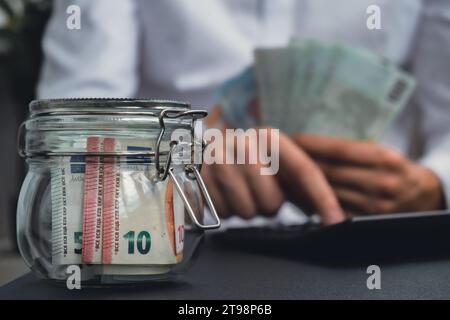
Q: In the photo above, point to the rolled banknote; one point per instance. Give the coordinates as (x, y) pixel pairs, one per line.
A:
(93, 203)
(141, 221)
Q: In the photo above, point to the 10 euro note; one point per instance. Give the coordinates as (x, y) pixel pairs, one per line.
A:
(134, 220)
(139, 221)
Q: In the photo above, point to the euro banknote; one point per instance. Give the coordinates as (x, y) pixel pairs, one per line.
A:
(321, 88)
(67, 183)
(110, 211)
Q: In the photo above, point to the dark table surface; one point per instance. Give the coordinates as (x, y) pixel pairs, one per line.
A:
(224, 272)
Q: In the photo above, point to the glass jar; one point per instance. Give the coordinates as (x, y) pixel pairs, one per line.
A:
(99, 193)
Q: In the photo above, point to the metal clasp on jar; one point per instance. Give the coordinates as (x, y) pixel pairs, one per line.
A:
(192, 170)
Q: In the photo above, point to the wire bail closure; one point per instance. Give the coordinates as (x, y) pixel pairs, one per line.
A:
(189, 169)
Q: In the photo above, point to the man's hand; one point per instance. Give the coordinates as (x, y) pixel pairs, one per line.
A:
(242, 190)
(369, 178)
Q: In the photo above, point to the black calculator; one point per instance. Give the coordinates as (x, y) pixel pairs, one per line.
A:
(413, 234)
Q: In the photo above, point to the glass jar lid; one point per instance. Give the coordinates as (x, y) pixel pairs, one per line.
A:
(103, 106)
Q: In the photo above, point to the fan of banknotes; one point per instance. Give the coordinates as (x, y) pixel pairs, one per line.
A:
(317, 88)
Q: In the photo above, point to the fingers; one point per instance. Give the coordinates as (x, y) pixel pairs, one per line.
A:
(235, 191)
(242, 191)
(336, 150)
(350, 214)
(228, 185)
(300, 173)
(216, 196)
(374, 182)
(361, 203)
(265, 190)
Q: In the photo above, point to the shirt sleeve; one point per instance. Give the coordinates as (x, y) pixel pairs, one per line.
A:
(431, 65)
(99, 59)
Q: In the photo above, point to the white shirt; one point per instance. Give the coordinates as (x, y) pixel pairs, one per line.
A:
(183, 50)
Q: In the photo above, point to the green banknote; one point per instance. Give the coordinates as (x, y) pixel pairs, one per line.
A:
(320, 88)
(359, 98)
(272, 70)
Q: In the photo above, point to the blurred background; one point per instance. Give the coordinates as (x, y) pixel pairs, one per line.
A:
(21, 27)
(157, 49)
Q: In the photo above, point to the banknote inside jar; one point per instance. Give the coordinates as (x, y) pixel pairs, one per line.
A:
(111, 213)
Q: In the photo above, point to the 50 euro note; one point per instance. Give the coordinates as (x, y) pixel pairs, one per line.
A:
(67, 181)
(141, 222)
